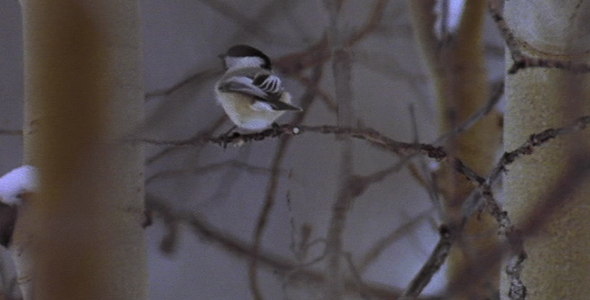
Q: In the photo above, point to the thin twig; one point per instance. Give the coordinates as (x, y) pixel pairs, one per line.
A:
(234, 245)
(431, 266)
(197, 77)
(496, 95)
(429, 177)
(235, 164)
(306, 101)
(383, 243)
(254, 26)
(368, 134)
(356, 276)
(370, 26)
(527, 62)
(497, 90)
(342, 72)
(376, 138)
(173, 148)
(509, 38)
(444, 19)
(264, 217)
(527, 148)
(505, 225)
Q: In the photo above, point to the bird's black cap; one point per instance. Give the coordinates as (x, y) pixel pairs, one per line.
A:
(245, 51)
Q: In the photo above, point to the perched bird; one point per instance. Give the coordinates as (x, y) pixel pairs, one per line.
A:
(249, 92)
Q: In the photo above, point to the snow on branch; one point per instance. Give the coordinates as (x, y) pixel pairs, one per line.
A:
(17, 182)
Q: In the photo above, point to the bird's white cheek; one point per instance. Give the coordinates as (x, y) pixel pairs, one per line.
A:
(286, 97)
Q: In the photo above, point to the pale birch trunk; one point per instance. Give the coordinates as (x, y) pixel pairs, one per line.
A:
(557, 239)
(81, 236)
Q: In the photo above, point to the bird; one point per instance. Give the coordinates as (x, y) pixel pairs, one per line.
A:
(250, 93)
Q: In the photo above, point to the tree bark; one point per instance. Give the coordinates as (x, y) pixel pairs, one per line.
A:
(81, 236)
(546, 192)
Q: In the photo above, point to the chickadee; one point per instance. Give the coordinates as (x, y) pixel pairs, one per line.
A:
(251, 95)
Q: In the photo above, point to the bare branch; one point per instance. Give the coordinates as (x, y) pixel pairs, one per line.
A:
(383, 243)
(234, 245)
(197, 77)
(432, 265)
(269, 201)
(236, 164)
(497, 90)
(173, 148)
(368, 134)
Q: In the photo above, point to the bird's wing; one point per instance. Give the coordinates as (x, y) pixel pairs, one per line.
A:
(269, 83)
(244, 85)
(280, 105)
(263, 87)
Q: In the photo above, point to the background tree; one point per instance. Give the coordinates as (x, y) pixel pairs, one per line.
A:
(459, 75)
(81, 235)
(547, 193)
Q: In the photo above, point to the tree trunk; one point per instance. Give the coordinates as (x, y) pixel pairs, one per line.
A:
(81, 235)
(458, 70)
(546, 194)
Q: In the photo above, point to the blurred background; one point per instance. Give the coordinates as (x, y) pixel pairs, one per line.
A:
(207, 200)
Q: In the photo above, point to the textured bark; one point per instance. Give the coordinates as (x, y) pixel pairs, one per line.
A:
(81, 235)
(558, 238)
